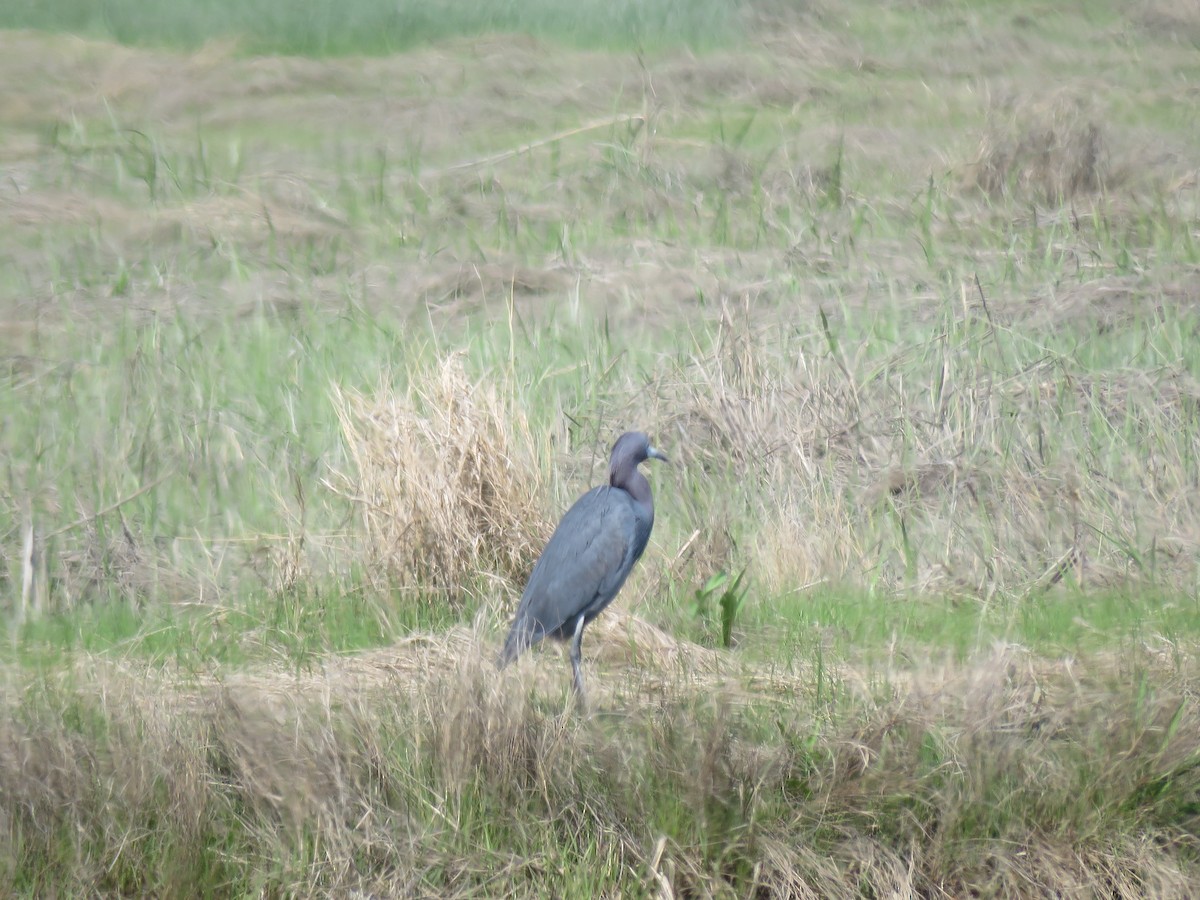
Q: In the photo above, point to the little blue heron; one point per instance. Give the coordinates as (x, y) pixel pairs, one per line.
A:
(588, 557)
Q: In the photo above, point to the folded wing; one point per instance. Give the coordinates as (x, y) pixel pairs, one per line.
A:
(583, 566)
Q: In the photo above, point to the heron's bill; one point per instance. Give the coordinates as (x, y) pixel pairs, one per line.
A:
(655, 453)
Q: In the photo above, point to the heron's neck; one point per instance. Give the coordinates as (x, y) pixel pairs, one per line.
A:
(632, 481)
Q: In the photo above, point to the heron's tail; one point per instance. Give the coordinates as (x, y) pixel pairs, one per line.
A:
(520, 638)
(512, 646)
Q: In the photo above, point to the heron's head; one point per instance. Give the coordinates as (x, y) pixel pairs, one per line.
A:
(631, 448)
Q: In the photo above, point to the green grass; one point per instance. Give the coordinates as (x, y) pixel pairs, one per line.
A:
(870, 628)
(327, 28)
(295, 629)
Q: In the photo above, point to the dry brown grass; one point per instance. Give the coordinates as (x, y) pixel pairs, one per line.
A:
(1051, 147)
(447, 482)
(477, 283)
(423, 774)
(1112, 302)
(989, 488)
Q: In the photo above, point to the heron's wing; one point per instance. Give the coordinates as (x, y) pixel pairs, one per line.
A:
(584, 563)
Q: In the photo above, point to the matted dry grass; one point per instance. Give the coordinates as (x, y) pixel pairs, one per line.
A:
(1002, 777)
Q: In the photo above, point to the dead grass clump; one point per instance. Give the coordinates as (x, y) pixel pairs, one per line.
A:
(1051, 148)
(446, 481)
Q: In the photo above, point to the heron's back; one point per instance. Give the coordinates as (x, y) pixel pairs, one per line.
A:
(582, 568)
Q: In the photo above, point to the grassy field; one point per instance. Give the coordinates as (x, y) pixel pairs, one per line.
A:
(314, 318)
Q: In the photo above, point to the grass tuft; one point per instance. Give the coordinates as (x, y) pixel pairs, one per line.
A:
(445, 481)
(1050, 148)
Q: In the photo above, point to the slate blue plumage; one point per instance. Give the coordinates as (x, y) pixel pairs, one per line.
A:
(589, 556)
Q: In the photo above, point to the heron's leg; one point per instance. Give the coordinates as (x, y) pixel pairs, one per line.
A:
(577, 659)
